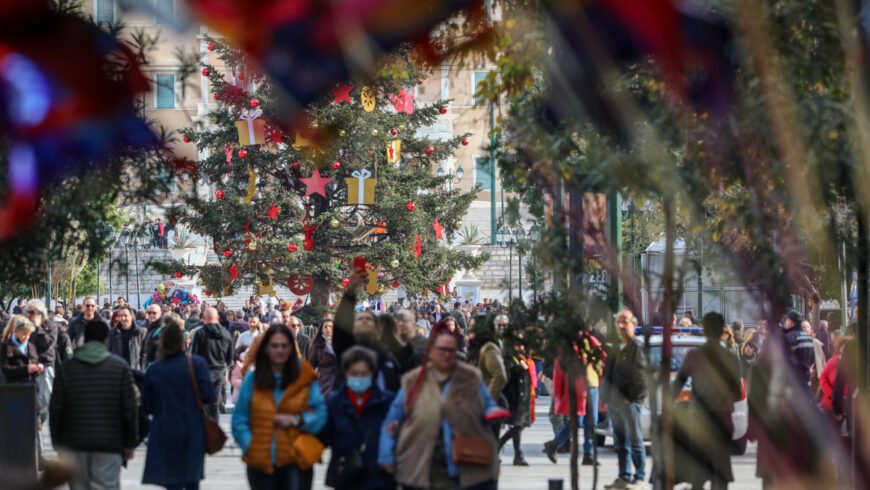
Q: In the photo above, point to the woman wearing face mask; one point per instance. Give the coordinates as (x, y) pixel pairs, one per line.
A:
(357, 410)
(322, 357)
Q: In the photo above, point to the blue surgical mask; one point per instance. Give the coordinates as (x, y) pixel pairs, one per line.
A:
(359, 384)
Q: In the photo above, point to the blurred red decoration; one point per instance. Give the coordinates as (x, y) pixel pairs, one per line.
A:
(273, 212)
(342, 93)
(410, 206)
(216, 96)
(205, 72)
(336, 165)
(396, 284)
(430, 150)
(234, 271)
(228, 253)
(464, 142)
(394, 131)
(186, 139)
(295, 165)
(292, 247)
(173, 221)
(219, 194)
(443, 110)
(300, 285)
(418, 247)
(255, 102)
(344, 282)
(211, 46)
(179, 274)
(243, 153)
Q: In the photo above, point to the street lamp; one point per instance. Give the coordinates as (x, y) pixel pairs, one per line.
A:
(506, 239)
(452, 178)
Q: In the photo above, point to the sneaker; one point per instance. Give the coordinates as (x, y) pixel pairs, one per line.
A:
(550, 449)
(618, 484)
(588, 461)
(638, 485)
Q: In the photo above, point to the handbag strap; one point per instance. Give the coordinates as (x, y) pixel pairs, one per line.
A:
(195, 385)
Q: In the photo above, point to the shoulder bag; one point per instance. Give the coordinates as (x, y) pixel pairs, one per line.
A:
(214, 435)
(472, 450)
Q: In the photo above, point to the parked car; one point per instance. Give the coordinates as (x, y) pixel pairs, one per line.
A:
(682, 344)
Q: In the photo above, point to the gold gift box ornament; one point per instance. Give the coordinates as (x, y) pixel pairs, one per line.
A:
(360, 188)
(252, 129)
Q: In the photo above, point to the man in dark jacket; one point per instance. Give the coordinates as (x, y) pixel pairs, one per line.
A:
(295, 325)
(213, 343)
(93, 411)
(626, 390)
(77, 325)
(801, 346)
(153, 312)
(127, 341)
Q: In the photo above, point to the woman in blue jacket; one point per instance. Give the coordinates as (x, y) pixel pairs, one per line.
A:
(356, 412)
(176, 442)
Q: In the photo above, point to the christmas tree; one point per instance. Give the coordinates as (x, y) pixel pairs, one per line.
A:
(298, 203)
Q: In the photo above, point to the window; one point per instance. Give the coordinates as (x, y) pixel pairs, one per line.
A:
(165, 92)
(105, 11)
(166, 9)
(476, 78)
(482, 176)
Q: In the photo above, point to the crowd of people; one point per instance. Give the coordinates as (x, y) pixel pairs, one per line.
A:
(419, 397)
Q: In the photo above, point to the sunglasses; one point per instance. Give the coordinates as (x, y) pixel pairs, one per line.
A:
(153, 312)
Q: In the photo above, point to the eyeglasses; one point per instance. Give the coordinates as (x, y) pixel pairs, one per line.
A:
(153, 312)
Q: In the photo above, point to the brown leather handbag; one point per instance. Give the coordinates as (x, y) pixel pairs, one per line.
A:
(214, 435)
(472, 450)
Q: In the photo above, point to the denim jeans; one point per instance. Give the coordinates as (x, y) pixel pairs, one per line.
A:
(564, 433)
(590, 420)
(628, 440)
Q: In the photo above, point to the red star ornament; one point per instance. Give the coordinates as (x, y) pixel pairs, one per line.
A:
(273, 212)
(418, 247)
(342, 93)
(234, 271)
(316, 184)
(439, 230)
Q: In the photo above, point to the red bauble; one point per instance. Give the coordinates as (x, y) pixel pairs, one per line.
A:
(292, 247)
(216, 96)
(394, 131)
(430, 150)
(295, 165)
(464, 142)
(228, 253)
(255, 102)
(410, 206)
(210, 46)
(205, 72)
(443, 110)
(173, 221)
(345, 282)
(419, 82)
(396, 284)
(336, 165)
(186, 139)
(243, 153)
(219, 194)
(179, 274)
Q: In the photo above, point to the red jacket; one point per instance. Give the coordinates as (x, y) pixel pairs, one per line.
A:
(826, 382)
(560, 391)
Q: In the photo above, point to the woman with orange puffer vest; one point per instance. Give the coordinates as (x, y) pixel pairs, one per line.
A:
(280, 409)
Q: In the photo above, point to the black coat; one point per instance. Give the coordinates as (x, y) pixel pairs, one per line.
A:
(45, 340)
(136, 346)
(214, 344)
(346, 431)
(14, 362)
(518, 392)
(322, 357)
(624, 374)
(93, 406)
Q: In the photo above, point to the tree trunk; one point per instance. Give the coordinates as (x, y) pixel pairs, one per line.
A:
(667, 460)
(319, 296)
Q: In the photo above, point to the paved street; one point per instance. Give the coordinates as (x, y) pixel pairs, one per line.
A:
(226, 471)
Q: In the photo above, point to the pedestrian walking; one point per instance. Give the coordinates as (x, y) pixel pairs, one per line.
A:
(801, 345)
(562, 397)
(829, 376)
(322, 357)
(625, 390)
(487, 355)
(18, 358)
(153, 329)
(126, 340)
(176, 442)
(279, 410)
(77, 325)
(442, 404)
(64, 343)
(212, 342)
(94, 412)
(406, 326)
(453, 326)
(295, 325)
(247, 338)
(44, 338)
(353, 429)
(363, 328)
(704, 450)
(518, 392)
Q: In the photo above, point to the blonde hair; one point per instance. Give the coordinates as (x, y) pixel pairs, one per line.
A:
(16, 323)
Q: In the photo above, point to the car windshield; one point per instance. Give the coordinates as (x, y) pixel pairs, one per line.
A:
(678, 354)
